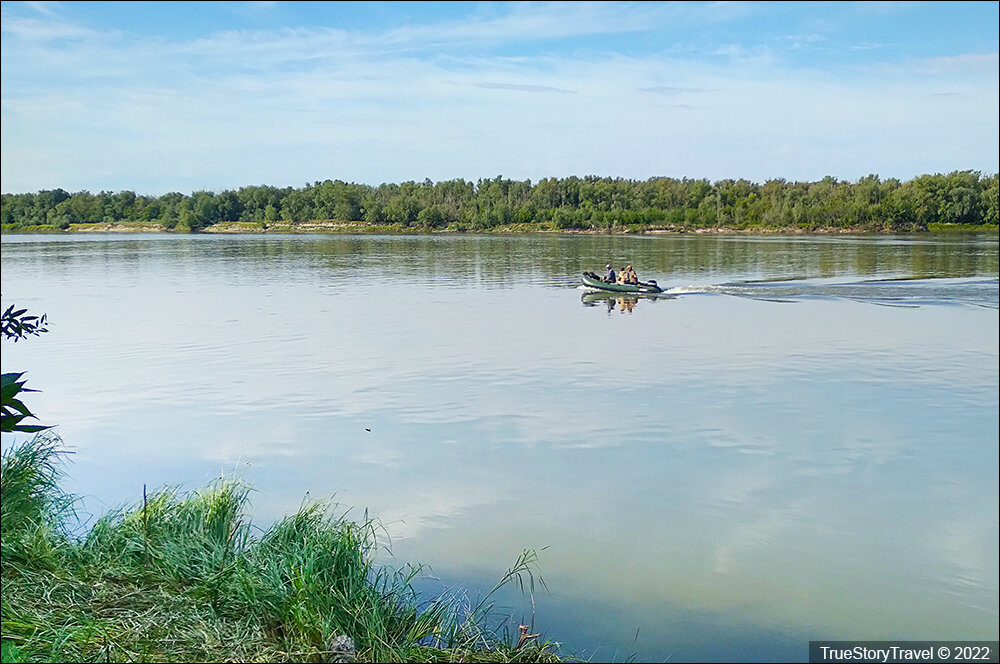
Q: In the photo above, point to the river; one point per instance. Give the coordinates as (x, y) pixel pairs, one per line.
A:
(798, 440)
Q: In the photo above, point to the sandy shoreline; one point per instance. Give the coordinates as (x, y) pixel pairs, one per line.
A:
(336, 227)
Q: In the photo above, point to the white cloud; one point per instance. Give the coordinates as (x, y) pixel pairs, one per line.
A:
(41, 30)
(965, 63)
(293, 105)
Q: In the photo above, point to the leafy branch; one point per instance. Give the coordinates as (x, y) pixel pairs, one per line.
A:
(14, 326)
(12, 409)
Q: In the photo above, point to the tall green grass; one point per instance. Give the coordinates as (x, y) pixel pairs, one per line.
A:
(182, 577)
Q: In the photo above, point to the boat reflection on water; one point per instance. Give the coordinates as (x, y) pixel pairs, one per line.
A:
(622, 302)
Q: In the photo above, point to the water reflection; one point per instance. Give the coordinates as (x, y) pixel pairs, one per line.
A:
(768, 458)
(624, 304)
(496, 261)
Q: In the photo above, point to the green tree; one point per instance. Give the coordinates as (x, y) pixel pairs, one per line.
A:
(990, 203)
(402, 210)
(430, 217)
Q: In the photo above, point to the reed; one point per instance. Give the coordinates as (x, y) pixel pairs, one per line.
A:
(181, 577)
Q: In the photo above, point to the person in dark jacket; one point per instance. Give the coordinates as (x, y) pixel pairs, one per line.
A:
(610, 277)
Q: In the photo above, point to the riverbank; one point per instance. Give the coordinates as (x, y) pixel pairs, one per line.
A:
(341, 228)
(181, 577)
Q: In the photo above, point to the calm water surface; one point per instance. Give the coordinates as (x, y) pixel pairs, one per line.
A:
(798, 441)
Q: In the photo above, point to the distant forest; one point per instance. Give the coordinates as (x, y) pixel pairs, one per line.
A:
(587, 203)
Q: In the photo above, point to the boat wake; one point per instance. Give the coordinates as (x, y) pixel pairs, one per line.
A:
(896, 292)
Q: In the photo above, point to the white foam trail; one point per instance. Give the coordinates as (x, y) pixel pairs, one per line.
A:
(688, 290)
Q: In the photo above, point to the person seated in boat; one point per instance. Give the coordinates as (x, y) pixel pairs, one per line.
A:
(610, 277)
(630, 276)
(622, 277)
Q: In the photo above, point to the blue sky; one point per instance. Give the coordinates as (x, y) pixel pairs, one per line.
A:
(181, 96)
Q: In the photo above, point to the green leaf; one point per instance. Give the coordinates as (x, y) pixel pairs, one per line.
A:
(13, 411)
(8, 392)
(9, 378)
(19, 406)
(31, 428)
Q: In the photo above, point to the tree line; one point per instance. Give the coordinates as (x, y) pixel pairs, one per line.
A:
(587, 203)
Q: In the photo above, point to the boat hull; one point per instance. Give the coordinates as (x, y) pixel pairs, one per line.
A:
(591, 280)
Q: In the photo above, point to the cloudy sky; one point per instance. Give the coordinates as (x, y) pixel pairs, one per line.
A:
(181, 96)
